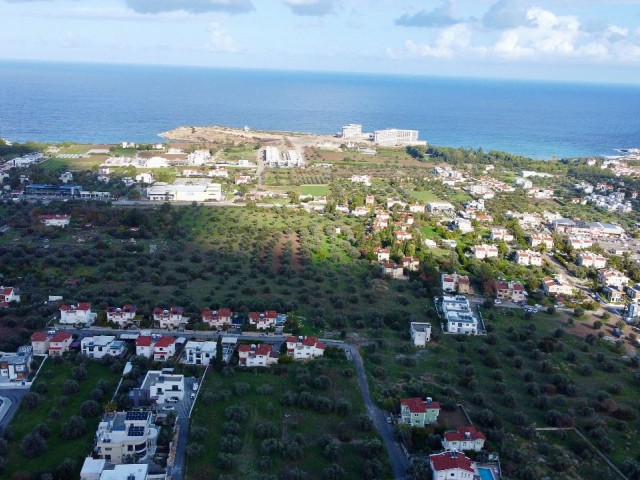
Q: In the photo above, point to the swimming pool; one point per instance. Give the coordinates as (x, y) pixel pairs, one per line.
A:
(486, 473)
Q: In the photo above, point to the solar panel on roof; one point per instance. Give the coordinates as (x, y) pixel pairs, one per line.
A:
(137, 415)
(136, 431)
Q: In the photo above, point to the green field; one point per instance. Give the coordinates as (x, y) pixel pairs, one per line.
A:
(425, 196)
(50, 381)
(308, 437)
(315, 190)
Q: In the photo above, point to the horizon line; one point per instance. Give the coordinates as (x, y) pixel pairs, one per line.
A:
(325, 72)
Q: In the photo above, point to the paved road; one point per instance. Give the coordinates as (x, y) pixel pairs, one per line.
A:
(15, 396)
(399, 462)
(177, 472)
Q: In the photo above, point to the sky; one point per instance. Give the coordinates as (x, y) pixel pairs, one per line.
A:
(561, 40)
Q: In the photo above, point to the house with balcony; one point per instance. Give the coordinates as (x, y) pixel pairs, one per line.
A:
(199, 352)
(217, 319)
(77, 314)
(144, 346)
(169, 319)
(420, 333)
(263, 320)
(510, 291)
(100, 346)
(126, 437)
(40, 343)
(456, 312)
(15, 367)
(301, 348)
(556, 286)
(614, 294)
(591, 260)
(485, 251)
(528, 257)
(610, 277)
(417, 412)
(159, 385)
(122, 316)
(463, 439)
(546, 240)
(164, 348)
(60, 343)
(262, 355)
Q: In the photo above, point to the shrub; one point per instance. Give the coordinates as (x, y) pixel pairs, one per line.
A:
(90, 408)
(33, 445)
(74, 428)
(30, 401)
(70, 387)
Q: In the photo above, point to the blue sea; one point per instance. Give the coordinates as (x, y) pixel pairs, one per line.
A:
(112, 103)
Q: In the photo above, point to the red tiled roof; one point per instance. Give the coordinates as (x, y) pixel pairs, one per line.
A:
(80, 306)
(244, 348)
(7, 290)
(459, 435)
(417, 405)
(291, 339)
(143, 341)
(451, 460)
(55, 217)
(61, 337)
(263, 349)
(124, 309)
(38, 336)
(164, 342)
(310, 341)
(172, 310)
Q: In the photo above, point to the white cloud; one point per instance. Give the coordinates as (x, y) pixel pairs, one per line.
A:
(316, 8)
(536, 34)
(220, 41)
(451, 42)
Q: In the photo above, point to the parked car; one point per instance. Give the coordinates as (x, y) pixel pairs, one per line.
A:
(168, 408)
(192, 396)
(195, 387)
(173, 400)
(497, 302)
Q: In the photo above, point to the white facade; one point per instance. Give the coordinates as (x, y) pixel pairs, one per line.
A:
(545, 240)
(123, 316)
(590, 259)
(162, 386)
(485, 251)
(199, 352)
(394, 136)
(304, 348)
(55, 220)
(501, 233)
(452, 466)
(100, 346)
(420, 333)
(126, 436)
(75, 314)
(528, 257)
(352, 131)
(458, 315)
(159, 191)
(8, 294)
(612, 278)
